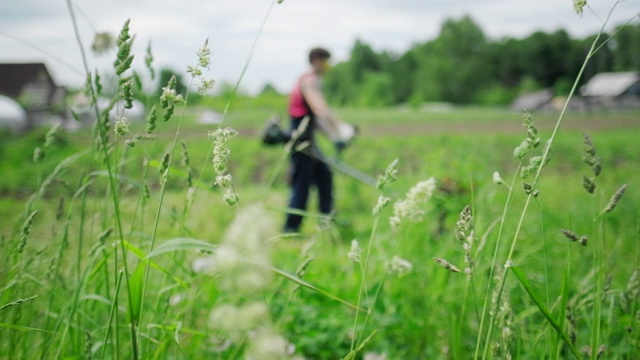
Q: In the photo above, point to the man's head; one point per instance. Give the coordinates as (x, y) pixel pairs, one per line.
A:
(318, 58)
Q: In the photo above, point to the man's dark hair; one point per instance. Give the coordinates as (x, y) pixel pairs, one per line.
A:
(318, 53)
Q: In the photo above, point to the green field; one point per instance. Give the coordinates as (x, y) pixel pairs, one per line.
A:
(66, 291)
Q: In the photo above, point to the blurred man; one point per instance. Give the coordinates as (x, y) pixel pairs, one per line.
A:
(307, 168)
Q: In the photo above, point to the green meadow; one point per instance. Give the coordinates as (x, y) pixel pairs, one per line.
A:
(460, 232)
(116, 259)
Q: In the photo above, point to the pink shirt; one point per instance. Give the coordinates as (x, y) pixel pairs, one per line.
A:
(298, 106)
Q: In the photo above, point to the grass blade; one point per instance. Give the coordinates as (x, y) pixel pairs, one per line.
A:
(135, 291)
(23, 328)
(301, 282)
(538, 301)
(352, 354)
(142, 256)
(181, 244)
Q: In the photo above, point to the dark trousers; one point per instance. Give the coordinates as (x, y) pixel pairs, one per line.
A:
(307, 172)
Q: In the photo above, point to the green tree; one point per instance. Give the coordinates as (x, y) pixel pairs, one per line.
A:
(625, 48)
(601, 61)
(451, 67)
(339, 84)
(461, 65)
(375, 90)
(268, 89)
(363, 59)
(402, 72)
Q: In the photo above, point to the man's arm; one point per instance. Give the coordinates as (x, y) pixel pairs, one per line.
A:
(336, 129)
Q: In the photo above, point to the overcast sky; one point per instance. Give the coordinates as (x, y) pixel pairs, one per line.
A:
(41, 30)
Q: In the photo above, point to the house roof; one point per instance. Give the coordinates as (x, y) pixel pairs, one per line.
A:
(610, 84)
(15, 76)
(532, 100)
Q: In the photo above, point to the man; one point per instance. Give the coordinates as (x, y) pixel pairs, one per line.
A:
(307, 168)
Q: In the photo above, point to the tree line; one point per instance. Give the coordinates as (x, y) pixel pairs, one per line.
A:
(461, 65)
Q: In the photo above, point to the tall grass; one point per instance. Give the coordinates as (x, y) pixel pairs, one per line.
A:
(123, 251)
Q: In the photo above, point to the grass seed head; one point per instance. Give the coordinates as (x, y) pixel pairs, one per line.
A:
(124, 42)
(389, 176)
(532, 140)
(205, 85)
(569, 234)
(121, 127)
(231, 197)
(497, 179)
(584, 240)
(127, 94)
(186, 161)
(51, 136)
(170, 97)
(204, 55)
(633, 287)
(221, 156)
(302, 268)
(447, 265)
(382, 203)
(24, 232)
(164, 163)
(588, 184)
(224, 180)
(152, 118)
(105, 235)
(38, 155)
(578, 6)
(17, 302)
(355, 252)
(615, 199)
(465, 224)
(589, 155)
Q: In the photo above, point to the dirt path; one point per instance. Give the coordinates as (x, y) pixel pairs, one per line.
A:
(499, 127)
(483, 127)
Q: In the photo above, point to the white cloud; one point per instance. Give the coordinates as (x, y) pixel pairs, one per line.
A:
(177, 29)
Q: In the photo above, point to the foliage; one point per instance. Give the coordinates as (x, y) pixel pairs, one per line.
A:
(462, 66)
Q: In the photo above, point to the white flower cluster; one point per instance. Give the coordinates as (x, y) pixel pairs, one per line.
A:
(398, 266)
(240, 261)
(412, 207)
(243, 246)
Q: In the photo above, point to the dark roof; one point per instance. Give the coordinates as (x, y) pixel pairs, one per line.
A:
(13, 77)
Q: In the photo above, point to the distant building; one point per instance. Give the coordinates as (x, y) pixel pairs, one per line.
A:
(539, 100)
(613, 90)
(31, 85)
